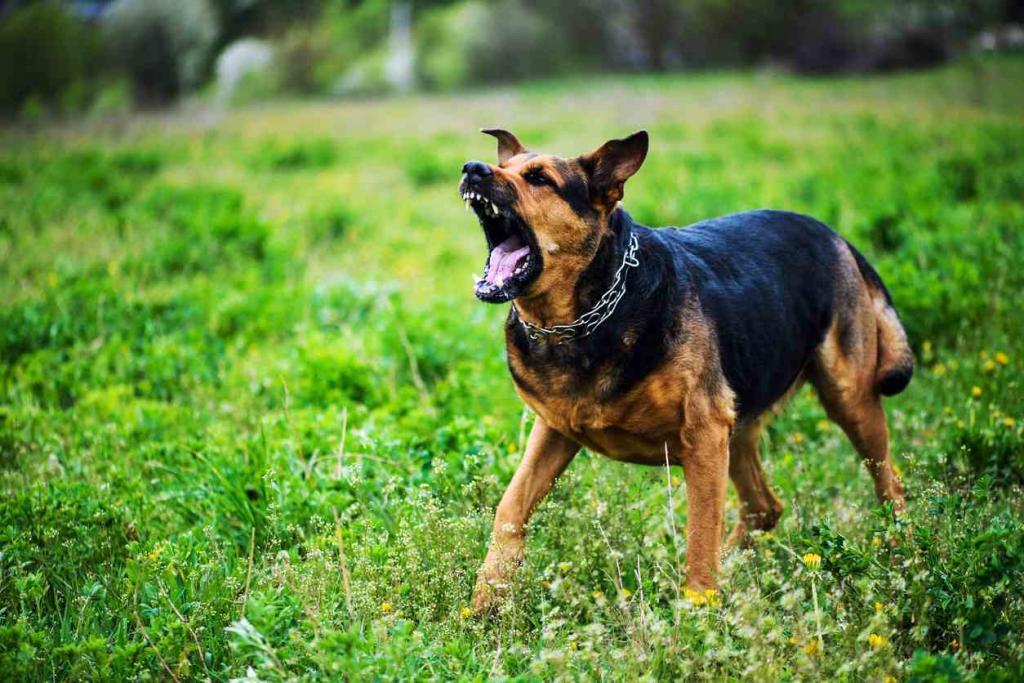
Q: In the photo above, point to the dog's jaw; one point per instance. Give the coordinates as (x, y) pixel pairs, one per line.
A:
(513, 260)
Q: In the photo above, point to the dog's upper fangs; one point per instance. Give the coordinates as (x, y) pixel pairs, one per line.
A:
(510, 263)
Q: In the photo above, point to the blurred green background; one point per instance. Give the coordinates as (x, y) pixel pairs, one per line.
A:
(254, 424)
(71, 57)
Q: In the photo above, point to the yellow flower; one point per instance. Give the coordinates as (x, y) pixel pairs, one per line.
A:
(975, 392)
(768, 552)
(876, 641)
(1009, 422)
(876, 541)
(694, 597)
(879, 607)
(811, 648)
(597, 595)
(824, 425)
(676, 481)
(385, 607)
(1002, 358)
(767, 536)
(812, 561)
(625, 593)
(465, 613)
(889, 679)
(564, 567)
(711, 596)
(989, 366)
(511, 448)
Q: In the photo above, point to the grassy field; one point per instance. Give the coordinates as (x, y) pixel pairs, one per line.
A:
(253, 423)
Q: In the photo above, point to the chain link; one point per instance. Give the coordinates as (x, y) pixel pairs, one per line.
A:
(602, 310)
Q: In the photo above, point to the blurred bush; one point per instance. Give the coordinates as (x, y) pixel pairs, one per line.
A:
(45, 54)
(473, 42)
(164, 45)
(242, 68)
(48, 56)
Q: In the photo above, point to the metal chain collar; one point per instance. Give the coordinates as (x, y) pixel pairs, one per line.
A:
(602, 310)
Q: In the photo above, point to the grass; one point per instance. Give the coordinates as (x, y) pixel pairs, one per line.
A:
(254, 424)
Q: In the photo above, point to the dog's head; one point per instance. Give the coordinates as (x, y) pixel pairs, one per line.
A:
(544, 217)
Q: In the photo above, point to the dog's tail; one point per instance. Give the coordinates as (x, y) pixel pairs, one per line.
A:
(895, 365)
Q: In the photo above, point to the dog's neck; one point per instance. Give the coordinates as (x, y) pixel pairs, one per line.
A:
(563, 305)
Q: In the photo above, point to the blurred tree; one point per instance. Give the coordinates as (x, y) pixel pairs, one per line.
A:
(166, 46)
(241, 18)
(43, 51)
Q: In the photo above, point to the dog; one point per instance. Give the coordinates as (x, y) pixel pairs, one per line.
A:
(672, 345)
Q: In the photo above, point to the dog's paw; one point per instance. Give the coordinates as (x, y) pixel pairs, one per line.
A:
(739, 538)
(492, 581)
(488, 596)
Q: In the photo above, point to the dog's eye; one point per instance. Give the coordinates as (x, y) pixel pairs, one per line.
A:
(537, 177)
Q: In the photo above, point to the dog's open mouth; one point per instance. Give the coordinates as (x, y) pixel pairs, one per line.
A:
(514, 261)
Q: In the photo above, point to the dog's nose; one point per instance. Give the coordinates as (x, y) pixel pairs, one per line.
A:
(476, 171)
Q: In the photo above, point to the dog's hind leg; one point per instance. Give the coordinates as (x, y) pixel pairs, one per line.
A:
(863, 420)
(844, 375)
(547, 455)
(760, 508)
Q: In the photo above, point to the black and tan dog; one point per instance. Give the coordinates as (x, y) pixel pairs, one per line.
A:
(672, 344)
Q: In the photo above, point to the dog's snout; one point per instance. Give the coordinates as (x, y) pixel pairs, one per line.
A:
(476, 171)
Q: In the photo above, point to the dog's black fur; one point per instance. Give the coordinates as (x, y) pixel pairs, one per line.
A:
(764, 279)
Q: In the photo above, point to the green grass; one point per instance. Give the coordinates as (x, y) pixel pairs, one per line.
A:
(253, 417)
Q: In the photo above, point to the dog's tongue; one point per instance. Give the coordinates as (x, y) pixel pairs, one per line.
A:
(504, 258)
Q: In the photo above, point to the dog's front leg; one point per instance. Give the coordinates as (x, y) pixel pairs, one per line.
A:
(547, 455)
(705, 459)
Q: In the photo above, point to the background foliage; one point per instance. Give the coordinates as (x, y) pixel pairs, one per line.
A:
(72, 57)
(254, 424)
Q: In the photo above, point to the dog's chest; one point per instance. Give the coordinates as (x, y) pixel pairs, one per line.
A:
(633, 427)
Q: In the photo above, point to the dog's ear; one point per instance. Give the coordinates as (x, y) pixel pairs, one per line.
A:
(508, 144)
(612, 164)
